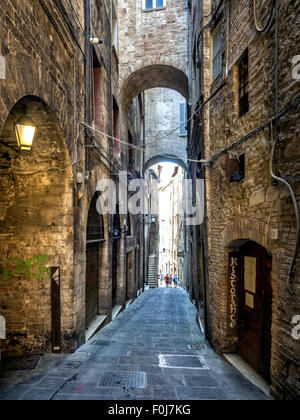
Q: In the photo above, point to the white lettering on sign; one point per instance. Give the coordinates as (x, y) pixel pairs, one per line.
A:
(2, 328)
(296, 330)
(2, 68)
(233, 294)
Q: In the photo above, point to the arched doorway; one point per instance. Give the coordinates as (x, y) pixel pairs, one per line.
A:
(94, 247)
(250, 304)
(36, 231)
(255, 307)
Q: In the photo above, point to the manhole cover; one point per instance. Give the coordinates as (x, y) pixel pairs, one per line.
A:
(100, 343)
(182, 362)
(126, 379)
(20, 363)
(195, 346)
(73, 364)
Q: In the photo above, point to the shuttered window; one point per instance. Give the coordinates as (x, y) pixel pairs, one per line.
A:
(153, 4)
(217, 54)
(183, 119)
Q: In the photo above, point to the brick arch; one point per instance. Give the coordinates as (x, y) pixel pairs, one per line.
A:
(152, 76)
(246, 229)
(159, 158)
(31, 78)
(37, 222)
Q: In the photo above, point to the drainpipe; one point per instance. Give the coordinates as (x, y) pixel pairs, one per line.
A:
(291, 273)
(88, 72)
(187, 9)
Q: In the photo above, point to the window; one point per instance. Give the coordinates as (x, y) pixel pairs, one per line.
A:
(183, 119)
(153, 4)
(116, 115)
(243, 85)
(217, 54)
(115, 42)
(95, 224)
(97, 91)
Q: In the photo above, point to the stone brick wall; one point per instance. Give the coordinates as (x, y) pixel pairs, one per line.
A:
(252, 208)
(151, 37)
(162, 109)
(43, 50)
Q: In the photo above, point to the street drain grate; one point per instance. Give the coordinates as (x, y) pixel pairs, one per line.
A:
(182, 362)
(11, 364)
(195, 346)
(124, 379)
(101, 343)
(72, 364)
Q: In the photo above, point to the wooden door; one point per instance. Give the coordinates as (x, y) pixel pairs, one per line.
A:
(92, 289)
(55, 309)
(255, 303)
(115, 253)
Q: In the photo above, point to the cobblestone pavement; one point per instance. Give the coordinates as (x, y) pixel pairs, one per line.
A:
(153, 350)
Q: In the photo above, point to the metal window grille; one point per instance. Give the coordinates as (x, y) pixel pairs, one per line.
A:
(95, 224)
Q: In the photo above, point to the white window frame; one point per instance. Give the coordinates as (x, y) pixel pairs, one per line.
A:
(155, 7)
(115, 32)
(217, 32)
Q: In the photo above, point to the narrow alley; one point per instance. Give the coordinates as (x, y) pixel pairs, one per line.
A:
(149, 200)
(153, 350)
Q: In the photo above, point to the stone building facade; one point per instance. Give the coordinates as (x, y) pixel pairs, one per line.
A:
(56, 250)
(165, 132)
(152, 54)
(243, 139)
(153, 49)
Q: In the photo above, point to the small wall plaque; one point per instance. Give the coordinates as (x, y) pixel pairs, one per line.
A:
(2, 328)
(2, 67)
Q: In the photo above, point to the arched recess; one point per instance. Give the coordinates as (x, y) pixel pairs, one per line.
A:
(156, 75)
(167, 158)
(96, 293)
(36, 230)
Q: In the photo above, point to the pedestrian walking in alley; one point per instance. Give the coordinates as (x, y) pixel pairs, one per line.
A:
(167, 280)
(175, 281)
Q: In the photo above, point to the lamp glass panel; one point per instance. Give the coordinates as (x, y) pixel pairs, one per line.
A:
(25, 135)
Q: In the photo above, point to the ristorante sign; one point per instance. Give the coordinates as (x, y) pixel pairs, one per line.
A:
(233, 293)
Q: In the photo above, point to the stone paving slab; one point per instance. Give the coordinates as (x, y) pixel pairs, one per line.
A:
(160, 321)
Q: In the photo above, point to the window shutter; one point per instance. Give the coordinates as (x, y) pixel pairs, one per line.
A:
(183, 112)
(149, 4)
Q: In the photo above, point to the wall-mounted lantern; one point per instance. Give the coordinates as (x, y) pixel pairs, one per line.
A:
(25, 131)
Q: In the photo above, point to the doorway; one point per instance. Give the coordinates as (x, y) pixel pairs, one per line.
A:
(95, 239)
(115, 254)
(255, 308)
(130, 276)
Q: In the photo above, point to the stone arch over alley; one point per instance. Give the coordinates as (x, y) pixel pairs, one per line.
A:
(153, 54)
(164, 158)
(153, 76)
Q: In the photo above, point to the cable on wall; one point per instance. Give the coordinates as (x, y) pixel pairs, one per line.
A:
(267, 25)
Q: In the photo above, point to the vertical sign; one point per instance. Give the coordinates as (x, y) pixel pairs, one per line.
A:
(234, 269)
(55, 309)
